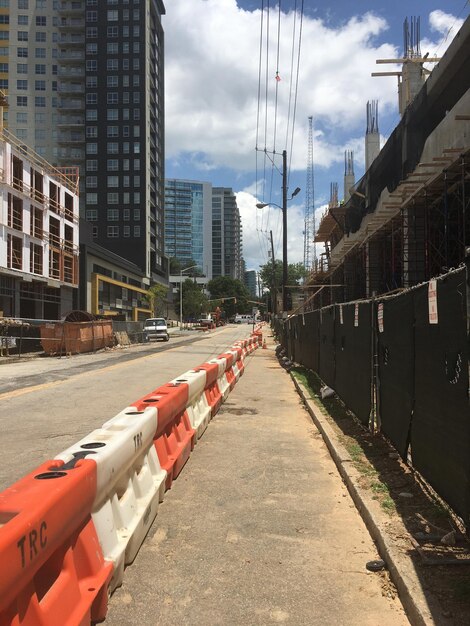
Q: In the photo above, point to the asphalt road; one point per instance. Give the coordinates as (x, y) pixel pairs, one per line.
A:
(49, 403)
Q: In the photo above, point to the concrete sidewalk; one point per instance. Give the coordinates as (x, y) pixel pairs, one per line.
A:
(259, 527)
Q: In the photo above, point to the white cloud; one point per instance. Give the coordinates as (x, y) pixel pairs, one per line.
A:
(211, 79)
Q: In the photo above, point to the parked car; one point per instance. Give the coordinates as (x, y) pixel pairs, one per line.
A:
(156, 328)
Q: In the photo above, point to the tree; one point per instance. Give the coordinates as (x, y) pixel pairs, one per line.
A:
(230, 295)
(155, 296)
(195, 302)
(295, 274)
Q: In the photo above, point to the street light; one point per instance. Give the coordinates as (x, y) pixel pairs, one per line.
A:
(261, 205)
(181, 292)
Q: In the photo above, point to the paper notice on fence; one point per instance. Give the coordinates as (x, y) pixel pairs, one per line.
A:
(356, 315)
(432, 302)
(380, 317)
(340, 313)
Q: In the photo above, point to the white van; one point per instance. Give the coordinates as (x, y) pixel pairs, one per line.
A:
(156, 328)
(243, 319)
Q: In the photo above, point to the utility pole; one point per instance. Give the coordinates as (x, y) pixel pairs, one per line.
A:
(284, 230)
(274, 292)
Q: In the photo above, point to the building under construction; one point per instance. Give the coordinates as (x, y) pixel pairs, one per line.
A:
(407, 219)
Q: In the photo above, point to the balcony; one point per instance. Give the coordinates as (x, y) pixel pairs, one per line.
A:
(71, 39)
(71, 105)
(72, 23)
(71, 88)
(71, 56)
(70, 120)
(71, 8)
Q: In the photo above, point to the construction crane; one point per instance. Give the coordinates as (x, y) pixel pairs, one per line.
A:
(310, 260)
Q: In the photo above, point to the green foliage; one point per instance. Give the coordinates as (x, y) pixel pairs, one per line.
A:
(224, 287)
(295, 273)
(155, 296)
(195, 302)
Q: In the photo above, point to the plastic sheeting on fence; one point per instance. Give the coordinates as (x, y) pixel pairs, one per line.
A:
(353, 357)
(421, 379)
(395, 391)
(440, 428)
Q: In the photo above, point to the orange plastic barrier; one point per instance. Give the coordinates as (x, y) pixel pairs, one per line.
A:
(53, 571)
(211, 391)
(174, 438)
(230, 358)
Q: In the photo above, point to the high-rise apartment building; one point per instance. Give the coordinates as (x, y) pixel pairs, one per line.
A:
(227, 253)
(188, 223)
(84, 80)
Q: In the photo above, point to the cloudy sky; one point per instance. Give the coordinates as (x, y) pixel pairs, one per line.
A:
(223, 100)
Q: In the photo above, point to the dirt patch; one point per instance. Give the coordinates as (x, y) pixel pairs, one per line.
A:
(434, 543)
(230, 408)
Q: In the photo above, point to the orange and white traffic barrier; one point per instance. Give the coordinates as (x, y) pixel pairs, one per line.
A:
(222, 382)
(212, 392)
(53, 569)
(199, 410)
(174, 437)
(130, 483)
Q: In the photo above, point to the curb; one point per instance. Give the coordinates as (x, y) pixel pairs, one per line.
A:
(400, 568)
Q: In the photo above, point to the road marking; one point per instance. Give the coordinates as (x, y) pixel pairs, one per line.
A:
(16, 393)
(7, 395)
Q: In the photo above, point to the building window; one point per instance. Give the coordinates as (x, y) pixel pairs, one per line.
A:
(21, 68)
(113, 147)
(22, 35)
(113, 31)
(92, 181)
(112, 81)
(112, 197)
(91, 198)
(137, 215)
(113, 231)
(92, 132)
(112, 97)
(40, 85)
(112, 47)
(136, 231)
(92, 48)
(112, 64)
(39, 68)
(22, 85)
(91, 215)
(40, 37)
(40, 101)
(22, 101)
(112, 115)
(113, 215)
(92, 98)
(126, 214)
(21, 118)
(92, 165)
(91, 115)
(113, 181)
(92, 32)
(41, 20)
(91, 148)
(22, 53)
(113, 16)
(91, 16)
(94, 232)
(91, 65)
(92, 82)
(112, 165)
(126, 231)
(40, 53)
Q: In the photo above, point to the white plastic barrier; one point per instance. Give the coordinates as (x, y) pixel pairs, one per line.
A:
(199, 410)
(130, 483)
(222, 382)
(235, 370)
